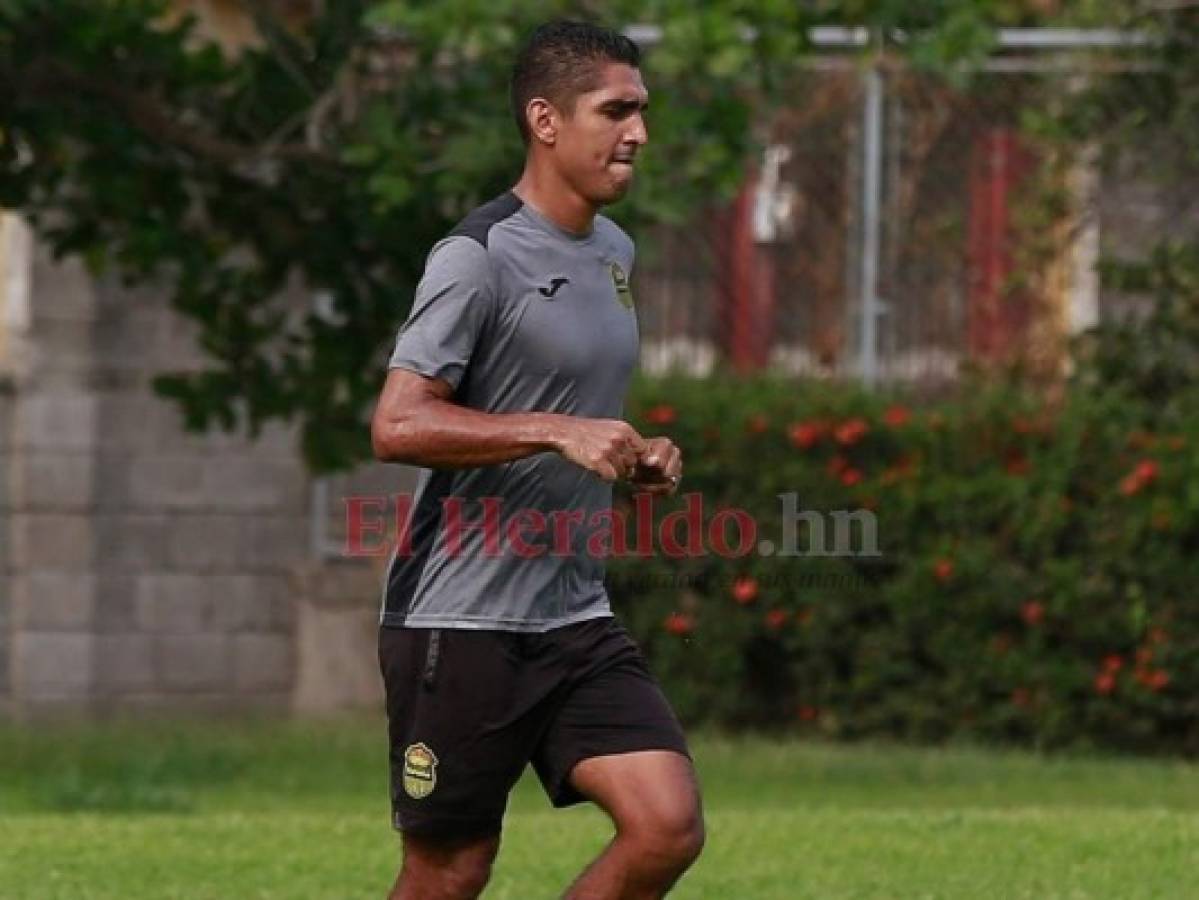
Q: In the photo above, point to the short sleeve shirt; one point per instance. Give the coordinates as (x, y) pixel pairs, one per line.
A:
(516, 314)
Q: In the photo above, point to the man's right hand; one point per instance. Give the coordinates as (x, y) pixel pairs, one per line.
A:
(608, 447)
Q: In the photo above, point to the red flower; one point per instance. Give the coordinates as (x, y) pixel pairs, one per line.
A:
(1113, 662)
(662, 414)
(1144, 473)
(1017, 463)
(757, 423)
(851, 431)
(679, 624)
(1032, 612)
(776, 618)
(1105, 683)
(805, 435)
(1154, 679)
(808, 713)
(745, 590)
(943, 570)
(1021, 696)
(897, 416)
(837, 465)
(1023, 425)
(850, 476)
(1129, 486)
(1147, 470)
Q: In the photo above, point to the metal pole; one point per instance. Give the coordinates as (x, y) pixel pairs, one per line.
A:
(318, 518)
(841, 38)
(872, 148)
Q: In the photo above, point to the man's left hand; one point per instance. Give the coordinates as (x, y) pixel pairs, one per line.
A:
(659, 468)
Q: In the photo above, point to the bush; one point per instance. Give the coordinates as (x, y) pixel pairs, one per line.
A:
(1033, 583)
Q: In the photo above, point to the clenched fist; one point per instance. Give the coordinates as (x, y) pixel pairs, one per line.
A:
(660, 467)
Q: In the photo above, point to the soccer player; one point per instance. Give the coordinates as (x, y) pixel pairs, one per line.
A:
(506, 385)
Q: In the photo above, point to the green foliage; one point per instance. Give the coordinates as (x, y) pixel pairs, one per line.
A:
(1155, 355)
(325, 161)
(1030, 549)
(322, 163)
(1146, 114)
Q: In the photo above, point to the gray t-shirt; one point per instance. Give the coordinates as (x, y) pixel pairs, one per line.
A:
(518, 315)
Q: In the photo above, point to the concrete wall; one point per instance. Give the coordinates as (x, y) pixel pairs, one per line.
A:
(1142, 201)
(5, 574)
(337, 636)
(148, 567)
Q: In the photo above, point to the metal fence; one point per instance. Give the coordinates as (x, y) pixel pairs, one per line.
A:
(896, 226)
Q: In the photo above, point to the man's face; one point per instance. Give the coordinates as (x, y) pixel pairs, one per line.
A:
(596, 145)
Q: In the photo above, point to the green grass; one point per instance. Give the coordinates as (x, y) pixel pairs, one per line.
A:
(272, 810)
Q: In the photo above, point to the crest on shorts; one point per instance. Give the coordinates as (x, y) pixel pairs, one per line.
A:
(621, 281)
(420, 771)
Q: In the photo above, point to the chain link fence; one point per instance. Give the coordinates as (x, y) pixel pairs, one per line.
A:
(897, 228)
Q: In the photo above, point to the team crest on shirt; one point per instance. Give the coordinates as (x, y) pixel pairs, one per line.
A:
(420, 771)
(621, 281)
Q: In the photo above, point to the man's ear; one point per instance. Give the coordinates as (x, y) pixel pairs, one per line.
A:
(542, 119)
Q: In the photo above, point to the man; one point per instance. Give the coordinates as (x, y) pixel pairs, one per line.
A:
(506, 385)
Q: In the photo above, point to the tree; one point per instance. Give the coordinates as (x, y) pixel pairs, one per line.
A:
(1148, 115)
(325, 160)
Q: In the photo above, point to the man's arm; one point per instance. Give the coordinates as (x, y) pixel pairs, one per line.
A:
(416, 422)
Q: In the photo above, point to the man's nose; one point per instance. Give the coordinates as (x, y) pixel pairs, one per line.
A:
(639, 134)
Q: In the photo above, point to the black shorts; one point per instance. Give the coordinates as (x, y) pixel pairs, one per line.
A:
(467, 710)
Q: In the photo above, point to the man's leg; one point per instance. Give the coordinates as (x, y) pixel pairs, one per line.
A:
(653, 799)
(616, 742)
(450, 775)
(444, 869)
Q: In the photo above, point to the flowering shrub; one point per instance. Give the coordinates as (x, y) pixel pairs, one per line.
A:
(1034, 581)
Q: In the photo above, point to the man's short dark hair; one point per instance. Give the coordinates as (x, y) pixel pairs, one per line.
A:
(561, 60)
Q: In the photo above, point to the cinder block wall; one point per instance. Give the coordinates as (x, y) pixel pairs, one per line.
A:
(147, 566)
(5, 572)
(50, 470)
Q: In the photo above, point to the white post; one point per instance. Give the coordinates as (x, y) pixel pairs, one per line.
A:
(872, 151)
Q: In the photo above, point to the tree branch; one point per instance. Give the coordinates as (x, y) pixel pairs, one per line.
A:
(152, 119)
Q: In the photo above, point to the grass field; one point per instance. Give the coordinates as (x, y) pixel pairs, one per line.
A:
(299, 810)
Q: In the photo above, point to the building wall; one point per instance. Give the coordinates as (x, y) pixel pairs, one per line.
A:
(5, 575)
(147, 566)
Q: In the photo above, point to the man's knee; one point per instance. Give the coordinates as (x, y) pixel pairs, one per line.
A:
(674, 836)
(456, 871)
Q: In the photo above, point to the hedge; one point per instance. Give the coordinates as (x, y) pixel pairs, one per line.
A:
(1035, 579)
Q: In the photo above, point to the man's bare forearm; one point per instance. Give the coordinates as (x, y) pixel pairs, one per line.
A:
(443, 435)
